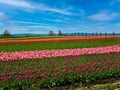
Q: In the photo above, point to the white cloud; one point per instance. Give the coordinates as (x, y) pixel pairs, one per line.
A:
(34, 6)
(103, 16)
(3, 16)
(57, 10)
(26, 22)
(54, 20)
(18, 3)
(100, 27)
(117, 24)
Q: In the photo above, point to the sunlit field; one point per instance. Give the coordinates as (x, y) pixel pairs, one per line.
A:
(47, 63)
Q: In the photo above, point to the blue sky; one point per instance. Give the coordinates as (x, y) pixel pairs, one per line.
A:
(41, 16)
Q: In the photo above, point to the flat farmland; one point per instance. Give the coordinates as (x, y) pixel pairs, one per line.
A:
(57, 43)
(58, 63)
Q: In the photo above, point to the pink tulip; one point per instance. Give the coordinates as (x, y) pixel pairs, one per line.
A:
(6, 56)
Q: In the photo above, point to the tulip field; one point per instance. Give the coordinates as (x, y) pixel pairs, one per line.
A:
(57, 43)
(57, 62)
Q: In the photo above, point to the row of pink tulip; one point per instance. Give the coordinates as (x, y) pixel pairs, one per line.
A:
(6, 56)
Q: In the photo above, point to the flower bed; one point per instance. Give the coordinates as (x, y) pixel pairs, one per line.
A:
(66, 39)
(37, 69)
(6, 56)
(51, 72)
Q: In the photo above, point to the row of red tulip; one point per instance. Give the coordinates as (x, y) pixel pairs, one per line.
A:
(77, 38)
(29, 74)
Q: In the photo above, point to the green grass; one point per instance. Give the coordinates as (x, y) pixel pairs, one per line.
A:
(57, 45)
(28, 37)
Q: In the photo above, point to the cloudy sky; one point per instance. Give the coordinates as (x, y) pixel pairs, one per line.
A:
(41, 16)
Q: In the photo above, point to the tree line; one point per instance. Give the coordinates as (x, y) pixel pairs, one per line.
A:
(60, 33)
(51, 33)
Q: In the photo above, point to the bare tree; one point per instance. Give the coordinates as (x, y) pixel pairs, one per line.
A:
(78, 34)
(93, 33)
(6, 33)
(86, 34)
(82, 34)
(51, 33)
(60, 33)
(113, 33)
(96, 34)
(106, 34)
(100, 33)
